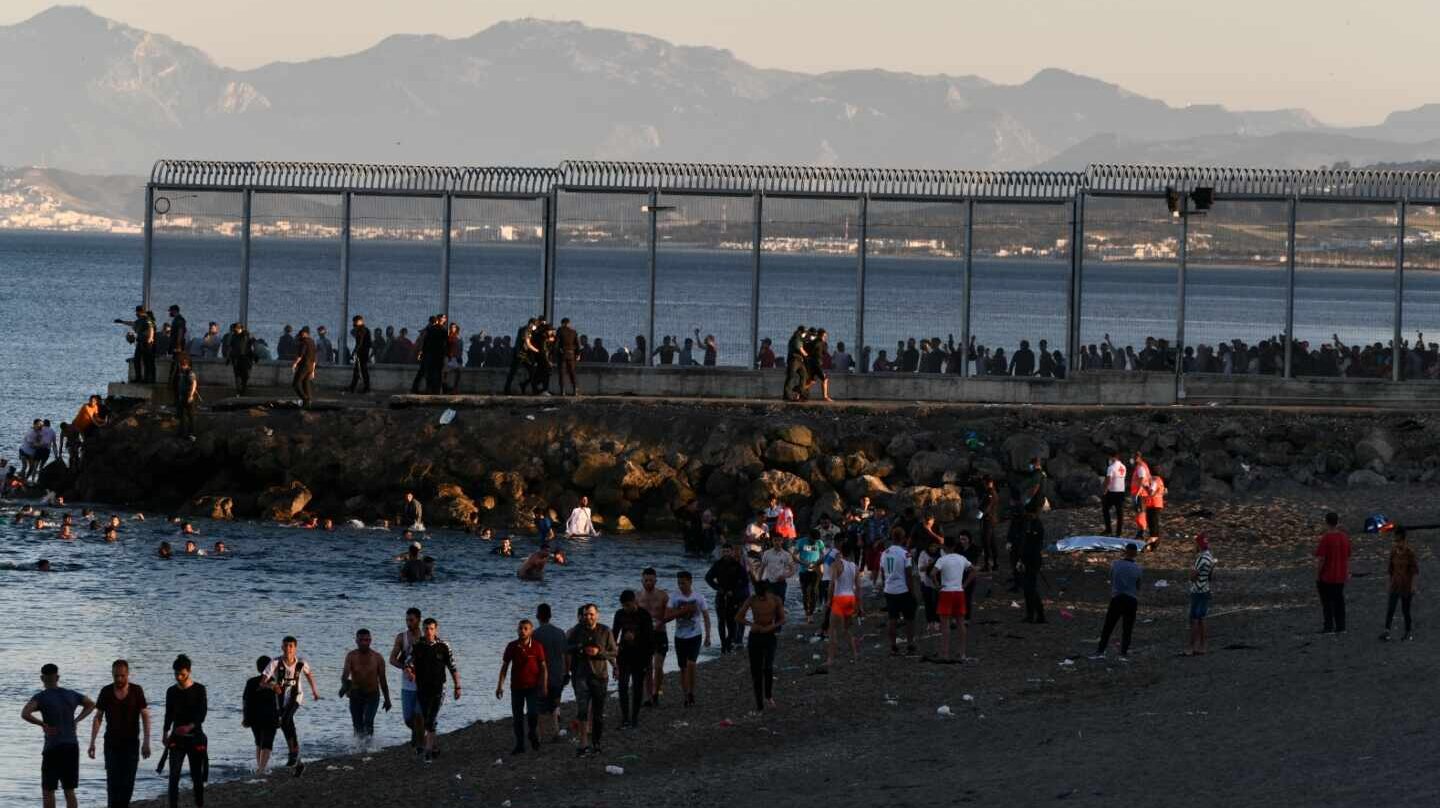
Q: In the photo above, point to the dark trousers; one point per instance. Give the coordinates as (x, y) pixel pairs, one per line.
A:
(145, 363)
(762, 667)
(567, 369)
(1113, 500)
(185, 415)
(809, 590)
(242, 377)
(726, 604)
(287, 726)
(540, 377)
(1152, 522)
(1122, 610)
(1401, 598)
(1034, 606)
(199, 771)
(794, 379)
(525, 713)
(1332, 604)
(434, 371)
(930, 597)
(302, 384)
(363, 707)
(598, 692)
(122, 756)
(632, 689)
(824, 607)
(360, 375)
(514, 369)
(779, 588)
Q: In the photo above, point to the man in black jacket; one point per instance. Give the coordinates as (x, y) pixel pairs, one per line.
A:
(434, 346)
(593, 648)
(634, 631)
(1030, 559)
(360, 353)
(727, 576)
(240, 355)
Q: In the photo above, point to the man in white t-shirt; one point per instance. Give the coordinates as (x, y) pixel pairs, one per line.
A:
(952, 573)
(581, 523)
(777, 565)
(688, 609)
(899, 593)
(1114, 496)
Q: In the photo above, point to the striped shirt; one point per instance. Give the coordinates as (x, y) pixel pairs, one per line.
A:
(1204, 568)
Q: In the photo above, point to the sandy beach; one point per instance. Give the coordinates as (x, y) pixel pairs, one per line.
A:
(1275, 714)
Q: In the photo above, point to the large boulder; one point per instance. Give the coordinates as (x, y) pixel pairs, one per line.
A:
(591, 467)
(211, 506)
(1374, 447)
(928, 468)
(450, 507)
(945, 503)
(780, 484)
(796, 434)
(828, 504)
(1023, 447)
(508, 486)
(867, 485)
(1365, 477)
(785, 453)
(884, 467)
(832, 467)
(280, 503)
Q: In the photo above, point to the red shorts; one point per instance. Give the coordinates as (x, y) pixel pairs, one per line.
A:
(952, 604)
(843, 605)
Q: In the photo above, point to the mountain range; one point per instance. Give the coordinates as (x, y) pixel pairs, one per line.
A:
(88, 94)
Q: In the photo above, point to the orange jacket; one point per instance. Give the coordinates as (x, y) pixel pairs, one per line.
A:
(1156, 499)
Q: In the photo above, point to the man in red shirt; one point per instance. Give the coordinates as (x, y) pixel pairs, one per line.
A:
(527, 685)
(1332, 567)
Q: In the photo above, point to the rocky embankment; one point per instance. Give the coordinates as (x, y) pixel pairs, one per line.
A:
(643, 463)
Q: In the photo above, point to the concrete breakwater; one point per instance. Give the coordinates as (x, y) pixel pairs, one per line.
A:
(643, 463)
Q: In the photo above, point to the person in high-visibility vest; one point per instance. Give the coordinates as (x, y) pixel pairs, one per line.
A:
(1139, 477)
(1154, 504)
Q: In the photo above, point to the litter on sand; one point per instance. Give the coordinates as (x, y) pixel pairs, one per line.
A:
(446, 417)
(1162, 584)
(944, 711)
(968, 697)
(613, 769)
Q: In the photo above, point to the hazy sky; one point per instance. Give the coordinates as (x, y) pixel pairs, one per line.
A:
(1348, 62)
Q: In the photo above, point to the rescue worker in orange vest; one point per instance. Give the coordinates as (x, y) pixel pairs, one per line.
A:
(1154, 504)
(1139, 478)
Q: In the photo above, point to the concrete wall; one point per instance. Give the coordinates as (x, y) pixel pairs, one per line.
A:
(1086, 389)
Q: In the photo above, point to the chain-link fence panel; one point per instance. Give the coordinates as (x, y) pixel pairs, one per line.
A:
(1420, 314)
(602, 271)
(497, 271)
(295, 272)
(196, 261)
(705, 265)
(808, 269)
(914, 287)
(395, 253)
(1129, 282)
(1344, 289)
(1235, 282)
(1020, 290)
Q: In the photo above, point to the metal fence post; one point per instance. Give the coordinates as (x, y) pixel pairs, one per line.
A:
(1180, 298)
(856, 348)
(969, 267)
(247, 198)
(1396, 356)
(448, 217)
(650, 345)
(756, 233)
(1290, 292)
(1072, 309)
(145, 296)
(552, 237)
(344, 274)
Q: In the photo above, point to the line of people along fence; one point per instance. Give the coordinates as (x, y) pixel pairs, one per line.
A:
(962, 280)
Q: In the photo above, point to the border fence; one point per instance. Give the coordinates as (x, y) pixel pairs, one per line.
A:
(1119, 267)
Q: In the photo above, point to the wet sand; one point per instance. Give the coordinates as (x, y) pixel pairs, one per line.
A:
(1276, 714)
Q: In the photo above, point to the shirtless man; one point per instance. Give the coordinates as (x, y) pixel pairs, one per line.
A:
(363, 677)
(534, 567)
(767, 617)
(655, 601)
(400, 658)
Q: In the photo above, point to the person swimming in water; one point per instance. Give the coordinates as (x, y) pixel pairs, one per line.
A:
(505, 549)
(414, 568)
(191, 548)
(66, 534)
(165, 551)
(43, 565)
(534, 567)
(220, 548)
(111, 536)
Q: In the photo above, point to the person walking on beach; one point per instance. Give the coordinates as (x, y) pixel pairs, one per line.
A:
(360, 354)
(953, 574)
(808, 553)
(654, 601)
(400, 654)
(688, 609)
(899, 589)
(1031, 556)
(183, 731)
(121, 703)
(1154, 505)
(527, 685)
(60, 759)
(363, 679)
(634, 631)
(260, 713)
(844, 605)
(593, 649)
(1113, 498)
(1125, 577)
(187, 396)
(1200, 574)
(767, 618)
(1403, 568)
(283, 676)
(1332, 570)
(777, 565)
(303, 381)
(552, 638)
(989, 524)
(728, 578)
(430, 659)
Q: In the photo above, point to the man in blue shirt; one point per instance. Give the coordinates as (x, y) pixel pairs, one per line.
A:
(60, 761)
(1125, 577)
